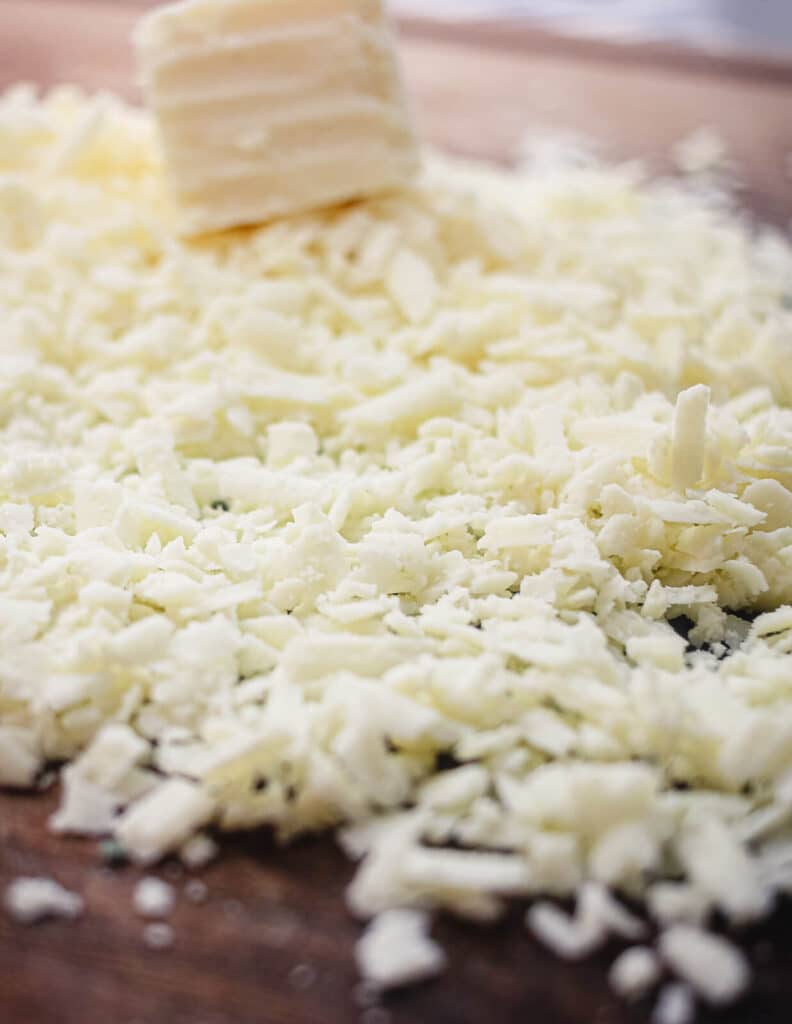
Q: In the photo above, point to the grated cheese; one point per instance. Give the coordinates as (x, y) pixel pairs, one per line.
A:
(20, 763)
(30, 900)
(673, 902)
(689, 434)
(634, 972)
(597, 916)
(710, 964)
(396, 950)
(158, 936)
(160, 821)
(198, 851)
(153, 897)
(292, 519)
(676, 1005)
(703, 150)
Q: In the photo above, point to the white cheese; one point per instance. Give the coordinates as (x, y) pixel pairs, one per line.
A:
(100, 781)
(273, 109)
(396, 950)
(158, 936)
(673, 902)
(30, 900)
(85, 808)
(153, 897)
(412, 285)
(20, 760)
(562, 934)
(198, 851)
(675, 1005)
(723, 870)
(634, 972)
(163, 819)
(703, 150)
(689, 436)
(711, 965)
(597, 916)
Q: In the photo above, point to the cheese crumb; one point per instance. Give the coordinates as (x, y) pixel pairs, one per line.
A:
(30, 900)
(158, 936)
(153, 898)
(597, 916)
(675, 1005)
(635, 972)
(396, 950)
(198, 851)
(701, 151)
(689, 437)
(20, 761)
(710, 964)
(162, 820)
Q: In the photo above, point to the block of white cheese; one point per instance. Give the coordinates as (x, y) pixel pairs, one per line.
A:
(268, 108)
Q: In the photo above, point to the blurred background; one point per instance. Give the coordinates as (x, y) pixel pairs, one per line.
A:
(721, 25)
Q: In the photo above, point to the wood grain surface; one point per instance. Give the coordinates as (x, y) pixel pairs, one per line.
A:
(269, 909)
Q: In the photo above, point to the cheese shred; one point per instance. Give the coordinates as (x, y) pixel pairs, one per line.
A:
(393, 517)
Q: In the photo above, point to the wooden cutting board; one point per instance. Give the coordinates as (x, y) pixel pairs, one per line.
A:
(477, 90)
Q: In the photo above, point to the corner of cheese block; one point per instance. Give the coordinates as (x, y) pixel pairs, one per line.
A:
(273, 108)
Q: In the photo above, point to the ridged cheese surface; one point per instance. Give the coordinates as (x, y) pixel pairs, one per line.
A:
(272, 107)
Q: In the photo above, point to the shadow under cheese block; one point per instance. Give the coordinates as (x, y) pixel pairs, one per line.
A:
(268, 108)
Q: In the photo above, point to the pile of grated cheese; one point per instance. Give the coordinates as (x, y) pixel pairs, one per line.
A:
(384, 517)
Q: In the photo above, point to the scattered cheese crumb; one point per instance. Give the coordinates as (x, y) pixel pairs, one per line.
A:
(562, 934)
(635, 972)
(411, 283)
(29, 900)
(20, 761)
(198, 851)
(158, 936)
(598, 915)
(710, 964)
(163, 819)
(674, 902)
(153, 897)
(396, 950)
(702, 150)
(675, 1005)
(689, 437)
